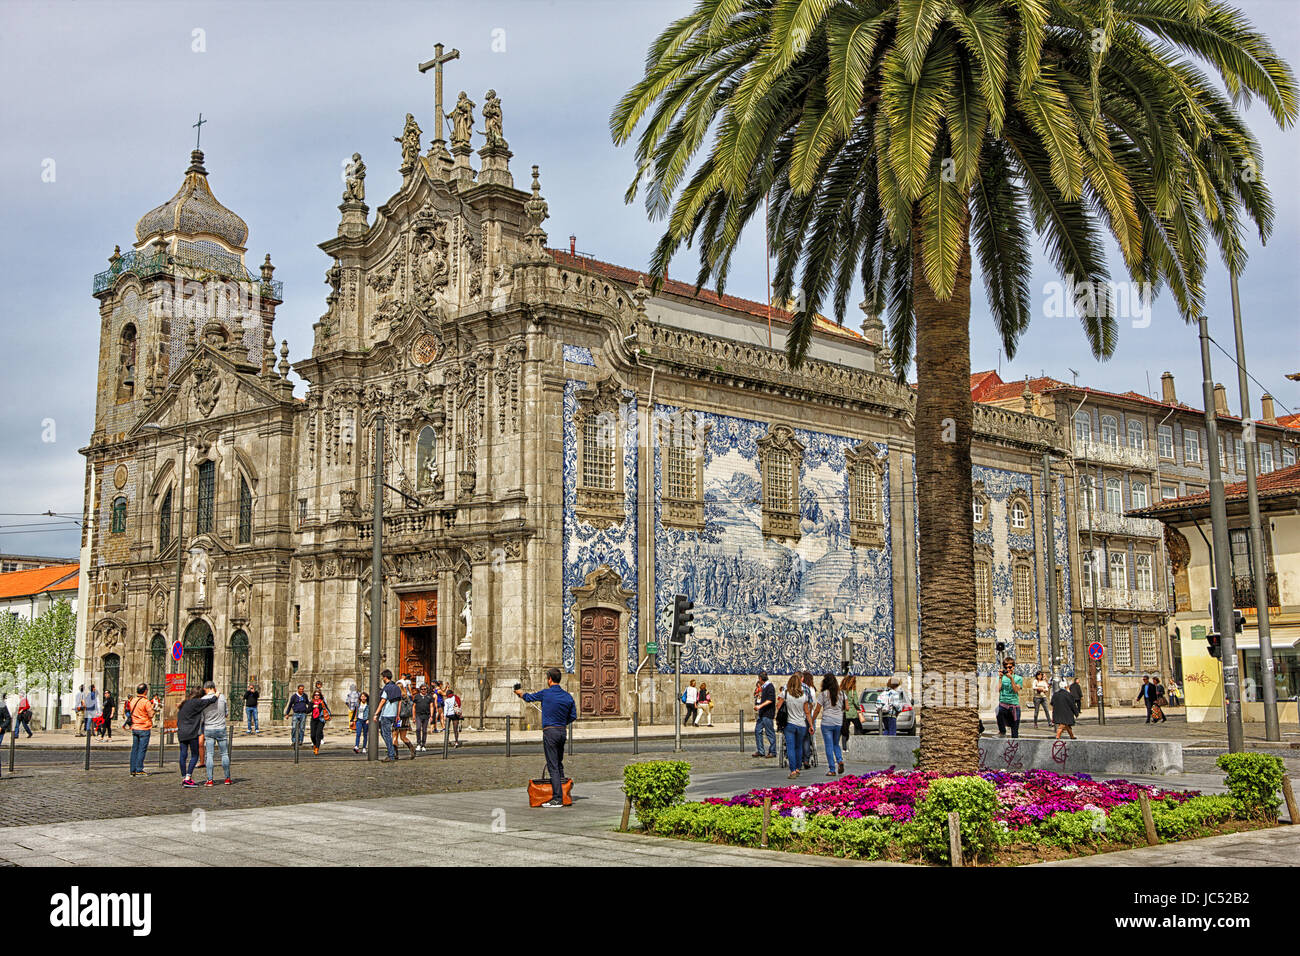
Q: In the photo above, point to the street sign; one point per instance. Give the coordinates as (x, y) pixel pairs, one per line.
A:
(178, 650)
(1096, 651)
(652, 647)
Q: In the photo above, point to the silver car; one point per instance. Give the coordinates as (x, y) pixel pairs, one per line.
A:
(871, 720)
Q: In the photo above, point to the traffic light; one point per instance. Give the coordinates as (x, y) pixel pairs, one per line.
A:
(682, 617)
(1213, 641)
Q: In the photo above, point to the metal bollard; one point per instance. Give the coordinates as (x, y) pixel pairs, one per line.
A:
(570, 738)
(509, 721)
(162, 742)
(88, 736)
(12, 742)
(296, 744)
(636, 739)
(742, 730)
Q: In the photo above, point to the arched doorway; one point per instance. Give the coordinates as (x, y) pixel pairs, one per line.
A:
(238, 668)
(157, 665)
(112, 674)
(197, 661)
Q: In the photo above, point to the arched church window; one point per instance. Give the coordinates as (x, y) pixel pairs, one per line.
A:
(245, 511)
(165, 522)
(207, 495)
(426, 460)
(119, 515)
(126, 364)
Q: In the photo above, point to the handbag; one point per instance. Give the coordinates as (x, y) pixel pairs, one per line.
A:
(540, 791)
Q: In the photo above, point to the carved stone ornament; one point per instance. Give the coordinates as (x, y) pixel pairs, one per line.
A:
(602, 588)
(425, 349)
(207, 385)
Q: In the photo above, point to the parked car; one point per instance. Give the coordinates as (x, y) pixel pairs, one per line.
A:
(870, 720)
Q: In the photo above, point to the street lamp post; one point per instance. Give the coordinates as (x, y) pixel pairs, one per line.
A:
(180, 563)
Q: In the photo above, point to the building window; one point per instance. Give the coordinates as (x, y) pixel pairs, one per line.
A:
(165, 522)
(207, 494)
(1223, 458)
(1241, 456)
(780, 454)
(1083, 427)
(1142, 571)
(1138, 494)
(983, 594)
(126, 364)
(1122, 648)
(1114, 496)
(1191, 447)
(297, 617)
(1165, 439)
(1137, 436)
(1022, 595)
(1090, 571)
(1109, 431)
(119, 515)
(600, 497)
(866, 505)
(1088, 485)
(426, 462)
(977, 510)
(1265, 459)
(1019, 516)
(1148, 648)
(245, 511)
(1118, 569)
(683, 504)
(1288, 456)
(302, 511)
(1168, 491)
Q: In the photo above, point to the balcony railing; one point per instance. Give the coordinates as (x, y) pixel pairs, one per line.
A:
(1107, 522)
(1126, 599)
(145, 265)
(1115, 454)
(1243, 591)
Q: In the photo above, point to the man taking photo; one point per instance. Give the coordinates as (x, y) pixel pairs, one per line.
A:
(558, 711)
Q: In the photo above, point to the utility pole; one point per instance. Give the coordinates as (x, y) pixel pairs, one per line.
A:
(1223, 571)
(1094, 575)
(1258, 568)
(1054, 623)
(376, 591)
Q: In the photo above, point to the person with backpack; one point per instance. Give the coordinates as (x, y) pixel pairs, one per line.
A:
(299, 706)
(690, 697)
(423, 701)
(558, 711)
(852, 714)
(139, 720)
(216, 730)
(386, 709)
(320, 712)
(92, 709)
(405, 717)
(798, 722)
(888, 706)
(451, 711)
(24, 717)
(830, 707)
(764, 716)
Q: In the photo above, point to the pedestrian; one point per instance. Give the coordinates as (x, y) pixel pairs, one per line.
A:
(24, 716)
(320, 689)
(451, 711)
(157, 702)
(92, 708)
(216, 731)
(1158, 701)
(6, 720)
(810, 741)
(109, 707)
(1063, 712)
(798, 727)
(438, 704)
(1077, 693)
(558, 711)
(189, 725)
(350, 701)
(1172, 692)
(704, 705)
(298, 708)
(1041, 689)
(852, 715)
(320, 713)
(139, 718)
(830, 707)
(690, 697)
(422, 700)
(1009, 699)
(764, 715)
(889, 704)
(79, 708)
(386, 708)
(250, 711)
(362, 722)
(1146, 696)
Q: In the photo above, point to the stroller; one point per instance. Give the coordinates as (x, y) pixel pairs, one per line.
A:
(809, 754)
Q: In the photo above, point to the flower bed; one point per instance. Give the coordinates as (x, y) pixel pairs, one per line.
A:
(1024, 799)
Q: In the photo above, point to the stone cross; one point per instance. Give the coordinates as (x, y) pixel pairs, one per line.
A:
(439, 58)
(198, 126)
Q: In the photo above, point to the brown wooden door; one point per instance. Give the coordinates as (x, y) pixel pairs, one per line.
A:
(598, 689)
(418, 617)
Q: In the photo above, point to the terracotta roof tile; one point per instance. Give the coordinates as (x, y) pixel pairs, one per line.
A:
(38, 580)
(1276, 484)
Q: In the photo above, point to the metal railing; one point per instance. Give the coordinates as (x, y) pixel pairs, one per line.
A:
(1125, 599)
(145, 266)
(1106, 522)
(1243, 590)
(1115, 454)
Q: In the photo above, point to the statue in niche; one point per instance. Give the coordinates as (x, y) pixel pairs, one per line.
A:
(410, 140)
(355, 187)
(462, 120)
(467, 615)
(199, 569)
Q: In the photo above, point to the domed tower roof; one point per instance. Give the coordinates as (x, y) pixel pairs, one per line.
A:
(194, 212)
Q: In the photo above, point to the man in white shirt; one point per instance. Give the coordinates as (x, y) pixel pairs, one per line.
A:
(690, 697)
(79, 705)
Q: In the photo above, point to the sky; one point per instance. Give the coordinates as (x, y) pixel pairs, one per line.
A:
(97, 130)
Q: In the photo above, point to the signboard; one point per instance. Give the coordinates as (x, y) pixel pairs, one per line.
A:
(652, 647)
(175, 684)
(1096, 651)
(178, 651)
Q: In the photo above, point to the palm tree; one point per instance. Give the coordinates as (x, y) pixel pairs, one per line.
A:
(892, 136)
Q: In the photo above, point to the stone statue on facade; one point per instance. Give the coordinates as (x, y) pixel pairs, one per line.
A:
(410, 140)
(199, 569)
(355, 188)
(492, 119)
(467, 615)
(462, 120)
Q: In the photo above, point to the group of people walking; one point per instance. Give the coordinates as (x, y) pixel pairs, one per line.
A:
(1059, 700)
(699, 704)
(403, 706)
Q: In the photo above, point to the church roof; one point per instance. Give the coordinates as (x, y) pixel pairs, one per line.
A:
(194, 211)
(687, 290)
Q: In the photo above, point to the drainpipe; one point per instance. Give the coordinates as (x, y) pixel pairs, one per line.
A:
(647, 497)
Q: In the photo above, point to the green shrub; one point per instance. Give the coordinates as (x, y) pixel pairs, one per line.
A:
(975, 799)
(866, 838)
(655, 785)
(1192, 818)
(1253, 781)
(1070, 830)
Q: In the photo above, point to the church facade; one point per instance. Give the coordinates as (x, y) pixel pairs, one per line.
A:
(564, 451)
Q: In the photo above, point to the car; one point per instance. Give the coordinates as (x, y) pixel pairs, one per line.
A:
(870, 720)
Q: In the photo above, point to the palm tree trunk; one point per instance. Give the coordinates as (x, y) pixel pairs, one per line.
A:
(944, 413)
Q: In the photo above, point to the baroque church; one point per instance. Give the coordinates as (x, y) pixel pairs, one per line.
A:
(565, 450)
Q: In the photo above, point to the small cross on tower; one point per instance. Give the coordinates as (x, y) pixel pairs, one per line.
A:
(439, 58)
(198, 126)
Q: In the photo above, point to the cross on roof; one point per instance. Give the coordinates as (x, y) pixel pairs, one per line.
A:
(198, 126)
(439, 58)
